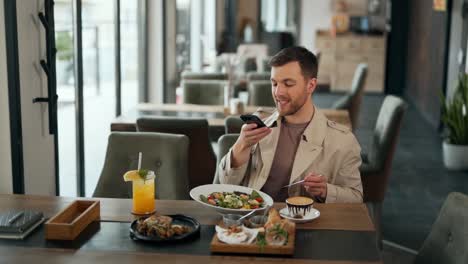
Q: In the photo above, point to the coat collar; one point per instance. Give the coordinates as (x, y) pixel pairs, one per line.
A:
(314, 133)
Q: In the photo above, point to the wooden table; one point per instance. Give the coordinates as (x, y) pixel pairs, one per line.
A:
(334, 218)
(215, 114)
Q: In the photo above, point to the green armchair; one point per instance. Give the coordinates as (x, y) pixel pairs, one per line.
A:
(205, 92)
(448, 240)
(165, 154)
(258, 76)
(233, 124)
(377, 166)
(224, 144)
(201, 159)
(260, 93)
(352, 100)
(186, 75)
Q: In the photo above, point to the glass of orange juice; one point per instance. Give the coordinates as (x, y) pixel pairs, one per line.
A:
(143, 191)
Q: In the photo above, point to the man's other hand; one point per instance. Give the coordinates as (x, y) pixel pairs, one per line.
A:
(316, 185)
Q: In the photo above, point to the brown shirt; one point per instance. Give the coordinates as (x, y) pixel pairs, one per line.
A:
(280, 173)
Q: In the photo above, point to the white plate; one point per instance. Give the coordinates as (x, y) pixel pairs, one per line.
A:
(210, 188)
(311, 215)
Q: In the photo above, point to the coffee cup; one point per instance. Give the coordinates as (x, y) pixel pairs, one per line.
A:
(299, 206)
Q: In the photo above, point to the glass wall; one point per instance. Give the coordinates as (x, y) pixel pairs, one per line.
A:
(99, 83)
(182, 35)
(99, 94)
(66, 116)
(280, 15)
(195, 34)
(129, 53)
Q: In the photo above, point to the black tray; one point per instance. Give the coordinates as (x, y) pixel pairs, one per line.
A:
(176, 220)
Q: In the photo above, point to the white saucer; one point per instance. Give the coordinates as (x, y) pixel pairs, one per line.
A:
(311, 215)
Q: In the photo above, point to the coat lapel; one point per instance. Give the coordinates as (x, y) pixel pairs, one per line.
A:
(311, 145)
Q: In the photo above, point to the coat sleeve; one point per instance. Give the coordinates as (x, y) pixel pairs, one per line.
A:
(229, 175)
(347, 186)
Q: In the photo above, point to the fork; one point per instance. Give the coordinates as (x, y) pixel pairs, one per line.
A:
(301, 181)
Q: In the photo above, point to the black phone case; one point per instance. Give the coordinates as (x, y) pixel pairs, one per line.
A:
(253, 119)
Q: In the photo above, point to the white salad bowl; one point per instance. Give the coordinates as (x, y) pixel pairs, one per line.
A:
(210, 188)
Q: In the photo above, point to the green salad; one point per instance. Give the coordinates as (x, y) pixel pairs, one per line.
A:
(234, 200)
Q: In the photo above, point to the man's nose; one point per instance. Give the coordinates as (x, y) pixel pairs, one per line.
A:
(279, 90)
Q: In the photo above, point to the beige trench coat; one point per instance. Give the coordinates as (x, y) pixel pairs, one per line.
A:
(326, 148)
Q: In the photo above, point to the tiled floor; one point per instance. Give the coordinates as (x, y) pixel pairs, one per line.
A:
(419, 182)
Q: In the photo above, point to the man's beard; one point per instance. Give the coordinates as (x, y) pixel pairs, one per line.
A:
(294, 107)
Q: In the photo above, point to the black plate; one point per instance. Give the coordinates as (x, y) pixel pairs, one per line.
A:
(176, 220)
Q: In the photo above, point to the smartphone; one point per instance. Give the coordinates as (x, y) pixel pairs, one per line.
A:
(248, 119)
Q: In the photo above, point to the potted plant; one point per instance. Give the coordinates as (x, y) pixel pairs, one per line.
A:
(455, 118)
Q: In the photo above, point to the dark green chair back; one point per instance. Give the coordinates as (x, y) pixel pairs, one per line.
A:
(165, 154)
(224, 144)
(258, 76)
(377, 166)
(352, 100)
(448, 240)
(205, 92)
(260, 93)
(202, 159)
(375, 173)
(186, 75)
(233, 124)
(266, 64)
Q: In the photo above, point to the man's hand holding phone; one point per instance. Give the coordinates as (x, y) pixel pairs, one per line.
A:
(250, 135)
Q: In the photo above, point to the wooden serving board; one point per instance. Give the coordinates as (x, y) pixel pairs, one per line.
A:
(220, 247)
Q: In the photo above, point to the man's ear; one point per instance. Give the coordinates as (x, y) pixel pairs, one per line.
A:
(311, 85)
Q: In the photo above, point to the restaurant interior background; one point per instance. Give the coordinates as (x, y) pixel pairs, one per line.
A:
(135, 51)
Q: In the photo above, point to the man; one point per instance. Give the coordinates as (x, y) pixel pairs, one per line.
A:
(298, 142)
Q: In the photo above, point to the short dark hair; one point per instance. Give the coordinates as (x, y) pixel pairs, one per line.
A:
(304, 57)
